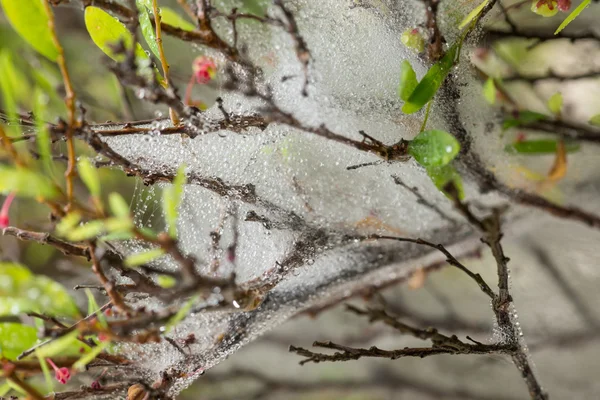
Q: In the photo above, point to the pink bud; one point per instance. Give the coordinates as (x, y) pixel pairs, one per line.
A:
(96, 385)
(205, 69)
(4, 220)
(62, 374)
(564, 5)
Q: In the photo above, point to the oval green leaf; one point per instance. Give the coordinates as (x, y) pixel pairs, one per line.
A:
(89, 176)
(29, 19)
(148, 29)
(171, 200)
(107, 31)
(21, 292)
(408, 80)
(434, 148)
(25, 183)
(143, 258)
(15, 339)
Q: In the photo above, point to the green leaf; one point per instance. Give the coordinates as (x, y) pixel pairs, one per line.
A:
(473, 14)
(89, 176)
(408, 80)
(68, 222)
(595, 120)
(8, 80)
(93, 308)
(489, 91)
(25, 183)
(60, 345)
(4, 389)
(171, 200)
(442, 176)
(172, 18)
(574, 14)
(181, 314)
(116, 236)
(555, 103)
(166, 281)
(413, 39)
(143, 258)
(21, 292)
(15, 339)
(89, 357)
(43, 141)
(434, 148)
(87, 231)
(107, 31)
(118, 205)
(29, 19)
(114, 225)
(148, 29)
(537, 147)
(524, 118)
(431, 82)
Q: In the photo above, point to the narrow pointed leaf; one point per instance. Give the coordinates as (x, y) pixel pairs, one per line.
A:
(408, 80)
(574, 14)
(89, 176)
(148, 29)
(143, 258)
(171, 17)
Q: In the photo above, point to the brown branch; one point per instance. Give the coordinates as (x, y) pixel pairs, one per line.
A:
(45, 238)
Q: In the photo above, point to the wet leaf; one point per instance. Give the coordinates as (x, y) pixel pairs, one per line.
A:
(408, 80)
(21, 292)
(434, 148)
(143, 258)
(86, 231)
(93, 308)
(15, 339)
(441, 176)
(574, 14)
(29, 19)
(107, 31)
(181, 314)
(431, 82)
(61, 345)
(147, 28)
(473, 14)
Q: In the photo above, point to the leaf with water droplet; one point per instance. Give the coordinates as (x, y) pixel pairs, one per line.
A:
(434, 148)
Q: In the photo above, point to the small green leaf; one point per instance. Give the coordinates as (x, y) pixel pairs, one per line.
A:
(60, 345)
(86, 231)
(434, 148)
(137, 259)
(68, 222)
(89, 357)
(118, 205)
(8, 80)
(166, 281)
(147, 29)
(595, 120)
(441, 176)
(181, 314)
(539, 147)
(171, 200)
(89, 176)
(489, 91)
(555, 103)
(25, 183)
(172, 18)
(43, 141)
(93, 308)
(122, 224)
(21, 292)
(29, 19)
(116, 236)
(15, 339)
(431, 82)
(473, 14)
(408, 80)
(524, 118)
(107, 31)
(574, 14)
